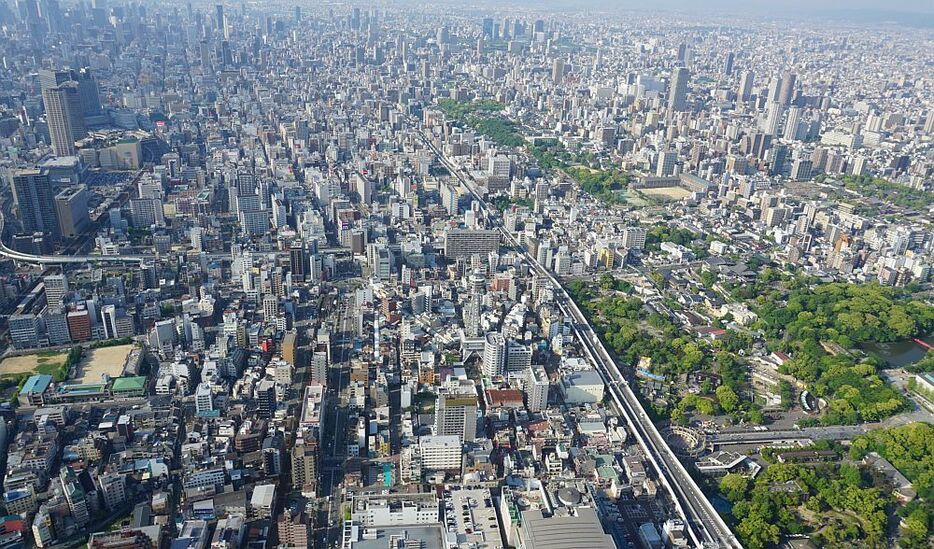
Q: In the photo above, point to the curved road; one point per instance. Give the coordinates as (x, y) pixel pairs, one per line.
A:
(59, 259)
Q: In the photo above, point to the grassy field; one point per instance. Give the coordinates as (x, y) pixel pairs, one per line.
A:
(15, 370)
(39, 363)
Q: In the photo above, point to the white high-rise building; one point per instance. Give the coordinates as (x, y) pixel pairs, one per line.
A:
(56, 286)
(518, 357)
(773, 118)
(196, 235)
(440, 453)
(634, 237)
(204, 399)
(494, 355)
(536, 388)
(791, 124)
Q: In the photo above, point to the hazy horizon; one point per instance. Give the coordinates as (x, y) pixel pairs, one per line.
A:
(771, 7)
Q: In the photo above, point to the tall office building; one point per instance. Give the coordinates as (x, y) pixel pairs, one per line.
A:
(51, 78)
(456, 414)
(745, 85)
(634, 237)
(728, 64)
(465, 243)
(678, 89)
(536, 388)
(56, 286)
(557, 71)
(71, 208)
(787, 91)
(204, 399)
(75, 496)
(290, 347)
(488, 27)
(270, 308)
(440, 453)
(773, 118)
(666, 164)
(791, 124)
(112, 490)
(24, 330)
(64, 116)
(88, 92)
(776, 159)
(801, 169)
(146, 212)
(298, 257)
(304, 461)
(32, 192)
(89, 100)
(266, 398)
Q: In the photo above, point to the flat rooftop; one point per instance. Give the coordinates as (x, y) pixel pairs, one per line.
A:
(430, 537)
(474, 519)
(582, 531)
(311, 405)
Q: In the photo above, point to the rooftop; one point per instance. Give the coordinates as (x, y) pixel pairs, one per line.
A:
(37, 383)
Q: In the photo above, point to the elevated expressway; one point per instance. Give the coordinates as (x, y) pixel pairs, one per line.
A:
(705, 526)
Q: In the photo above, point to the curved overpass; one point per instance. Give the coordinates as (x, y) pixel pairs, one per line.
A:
(60, 259)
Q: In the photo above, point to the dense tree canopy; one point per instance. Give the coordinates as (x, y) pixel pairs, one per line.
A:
(847, 314)
(910, 448)
(602, 184)
(833, 503)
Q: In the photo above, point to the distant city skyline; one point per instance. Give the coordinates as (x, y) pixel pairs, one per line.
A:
(786, 8)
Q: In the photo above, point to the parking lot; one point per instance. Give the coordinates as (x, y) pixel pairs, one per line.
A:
(471, 516)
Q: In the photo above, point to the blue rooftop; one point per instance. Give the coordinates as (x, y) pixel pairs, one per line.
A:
(37, 383)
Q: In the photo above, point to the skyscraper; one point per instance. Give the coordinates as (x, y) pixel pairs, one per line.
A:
(51, 78)
(56, 286)
(488, 27)
(775, 89)
(494, 355)
(773, 118)
(65, 119)
(32, 191)
(88, 94)
(71, 208)
(456, 413)
(557, 71)
(791, 124)
(745, 85)
(666, 163)
(298, 257)
(776, 159)
(728, 64)
(678, 89)
(787, 90)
